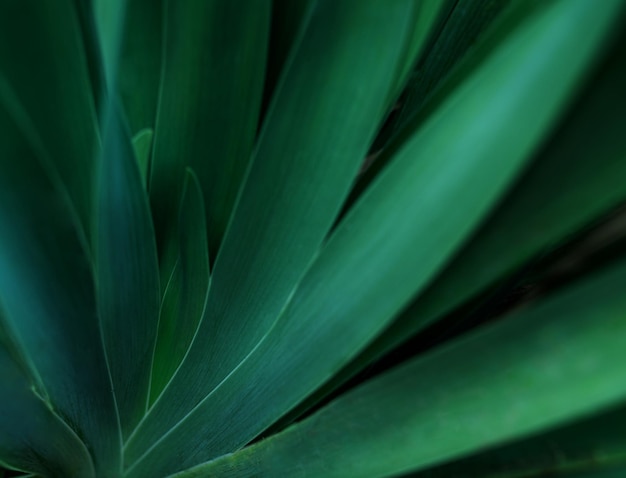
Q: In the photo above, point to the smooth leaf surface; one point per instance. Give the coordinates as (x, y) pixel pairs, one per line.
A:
(142, 144)
(293, 191)
(32, 437)
(140, 62)
(584, 157)
(127, 271)
(212, 83)
(476, 392)
(42, 59)
(393, 241)
(590, 445)
(47, 290)
(186, 292)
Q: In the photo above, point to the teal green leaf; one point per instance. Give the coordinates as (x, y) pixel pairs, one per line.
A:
(186, 292)
(585, 158)
(593, 444)
(212, 83)
(140, 62)
(47, 290)
(142, 144)
(110, 17)
(476, 392)
(50, 63)
(293, 192)
(127, 271)
(32, 437)
(393, 240)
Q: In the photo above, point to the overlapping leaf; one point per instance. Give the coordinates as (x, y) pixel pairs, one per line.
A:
(476, 392)
(293, 190)
(394, 240)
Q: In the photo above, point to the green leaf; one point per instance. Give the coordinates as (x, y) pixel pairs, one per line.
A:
(142, 144)
(32, 437)
(585, 158)
(140, 62)
(128, 277)
(293, 191)
(42, 61)
(209, 102)
(593, 444)
(186, 292)
(47, 289)
(393, 241)
(479, 391)
(445, 66)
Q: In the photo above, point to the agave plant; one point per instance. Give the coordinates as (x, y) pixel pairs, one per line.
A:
(321, 238)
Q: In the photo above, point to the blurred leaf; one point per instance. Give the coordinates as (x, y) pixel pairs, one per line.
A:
(209, 102)
(592, 444)
(142, 144)
(473, 393)
(128, 278)
(392, 242)
(47, 289)
(42, 61)
(293, 191)
(140, 62)
(585, 158)
(32, 436)
(185, 294)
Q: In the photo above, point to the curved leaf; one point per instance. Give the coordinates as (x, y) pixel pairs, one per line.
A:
(128, 277)
(476, 392)
(394, 240)
(293, 190)
(185, 295)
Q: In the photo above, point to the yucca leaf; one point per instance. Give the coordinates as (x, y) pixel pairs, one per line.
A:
(437, 75)
(50, 64)
(140, 62)
(127, 272)
(585, 158)
(293, 191)
(473, 393)
(466, 20)
(47, 290)
(394, 240)
(32, 437)
(209, 102)
(592, 444)
(142, 144)
(185, 294)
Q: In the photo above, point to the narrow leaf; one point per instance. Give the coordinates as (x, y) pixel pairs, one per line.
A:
(128, 279)
(47, 289)
(476, 392)
(50, 64)
(142, 144)
(32, 437)
(393, 241)
(293, 191)
(185, 295)
(214, 58)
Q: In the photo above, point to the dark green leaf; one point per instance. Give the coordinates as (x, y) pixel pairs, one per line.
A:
(32, 437)
(142, 144)
(293, 191)
(128, 278)
(477, 392)
(592, 444)
(47, 289)
(209, 102)
(42, 61)
(185, 294)
(393, 241)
